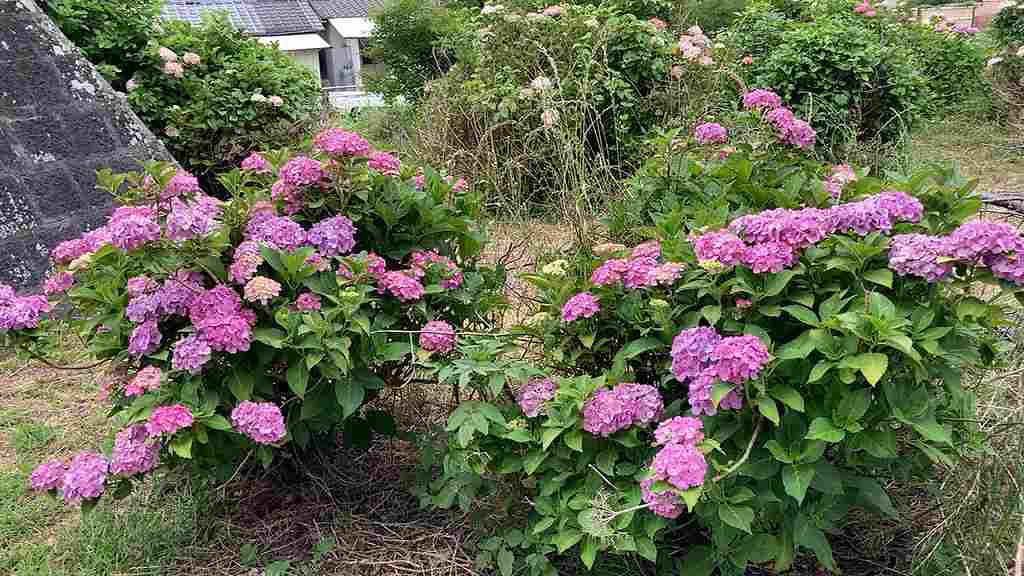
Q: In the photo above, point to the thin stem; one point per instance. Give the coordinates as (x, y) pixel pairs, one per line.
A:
(746, 453)
(49, 364)
(628, 510)
(488, 334)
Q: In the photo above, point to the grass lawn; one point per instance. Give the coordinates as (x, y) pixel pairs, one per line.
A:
(352, 513)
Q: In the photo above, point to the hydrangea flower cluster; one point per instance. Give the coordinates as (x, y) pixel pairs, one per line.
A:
(789, 129)
(58, 282)
(262, 289)
(19, 312)
(679, 462)
(134, 452)
(279, 232)
(384, 163)
(70, 250)
(133, 226)
(710, 132)
(995, 245)
(422, 261)
(608, 411)
(261, 421)
(256, 164)
(534, 394)
(85, 477)
(640, 269)
(146, 379)
(768, 241)
(183, 183)
(401, 284)
(307, 301)
(333, 236)
(302, 171)
(191, 353)
(700, 356)
(437, 336)
(221, 320)
(48, 475)
(338, 142)
(866, 8)
(582, 305)
(695, 46)
(193, 218)
(168, 419)
(247, 260)
(842, 174)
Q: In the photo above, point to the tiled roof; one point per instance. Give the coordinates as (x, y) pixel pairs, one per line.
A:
(256, 17)
(328, 9)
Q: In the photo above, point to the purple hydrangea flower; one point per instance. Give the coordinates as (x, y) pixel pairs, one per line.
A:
(437, 336)
(582, 305)
(191, 353)
(133, 226)
(610, 271)
(334, 236)
(691, 351)
(795, 228)
(222, 321)
(261, 421)
(193, 219)
(609, 410)
(720, 246)
(181, 184)
(918, 255)
(19, 312)
(667, 503)
(278, 232)
(133, 452)
(178, 292)
(978, 238)
(247, 260)
(699, 395)
(534, 394)
(145, 339)
(85, 477)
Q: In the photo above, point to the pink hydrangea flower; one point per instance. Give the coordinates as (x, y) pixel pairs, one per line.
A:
(679, 430)
(918, 255)
(762, 99)
(191, 58)
(146, 379)
(168, 419)
(222, 321)
(174, 69)
(649, 249)
(307, 301)
(743, 303)
(183, 183)
(582, 305)
(58, 282)
(85, 477)
(134, 453)
(338, 142)
(681, 465)
(737, 359)
(278, 232)
(665, 503)
(720, 246)
(262, 289)
(554, 10)
(302, 171)
(437, 336)
(145, 339)
(403, 285)
(610, 410)
(167, 55)
(710, 132)
(48, 475)
(977, 238)
(256, 164)
(133, 226)
(261, 421)
(177, 293)
(384, 163)
(247, 260)
(769, 257)
(534, 394)
(193, 219)
(691, 351)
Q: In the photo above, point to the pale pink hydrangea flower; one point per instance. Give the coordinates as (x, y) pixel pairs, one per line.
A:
(275, 101)
(261, 421)
(666, 503)
(307, 301)
(554, 10)
(191, 58)
(174, 69)
(262, 289)
(710, 132)
(256, 164)
(534, 394)
(146, 379)
(582, 305)
(58, 282)
(437, 336)
(167, 55)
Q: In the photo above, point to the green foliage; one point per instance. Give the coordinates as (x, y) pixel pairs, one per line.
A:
(951, 63)
(411, 37)
(711, 15)
(864, 381)
(113, 35)
(1008, 25)
(209, 118)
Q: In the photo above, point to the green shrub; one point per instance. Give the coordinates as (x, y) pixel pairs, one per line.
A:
(758, 30)
(952, 63)
(211, 307)
(225, 105)
(410, 36)
(113, 35)
(854, 374)
(711, 15)
(1008, 25)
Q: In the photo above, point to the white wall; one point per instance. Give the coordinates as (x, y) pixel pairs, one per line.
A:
(308, 58)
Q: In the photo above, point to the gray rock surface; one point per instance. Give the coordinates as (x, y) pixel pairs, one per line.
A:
(59, 122)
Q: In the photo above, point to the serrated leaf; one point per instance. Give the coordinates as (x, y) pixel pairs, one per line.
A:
(241, 383)
(574, 440)
(646, 548)
(549, 435)
(778, 281)
(588, 551)
(796, 478)
(778, 451)
(811, 537)
(544, 523)
(533, 460)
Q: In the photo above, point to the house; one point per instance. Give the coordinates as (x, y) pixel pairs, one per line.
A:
(328, 36)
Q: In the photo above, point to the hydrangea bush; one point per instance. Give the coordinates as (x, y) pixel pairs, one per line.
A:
(751, 379)
(269, 320)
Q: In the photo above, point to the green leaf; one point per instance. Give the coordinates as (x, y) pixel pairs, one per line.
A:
(367, 379)
(872, 365)
(606, 461)
(491, 413)
(588, 551)
(778, 281)
(811, 537)
(533, 461)
(803, 314)
(574, 440)
(819, 370)
(633, 349)
(739, 517)
(853, 406)
(217, 422)
(350, 395)
(549, 435)
(778, 451)
(769, 409)
(505, 562)
(278, 568)
(544, 523)
(823, 429)
(796, 479)
(788, 396)
(691, 496)
(566, 539)
(241, 383)
(880, 276)
(393, 351)
(181, 446)
(646, 548)
(272, 337)
(872, 493)
(712, 313)
(802, 345)
(298, 377)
